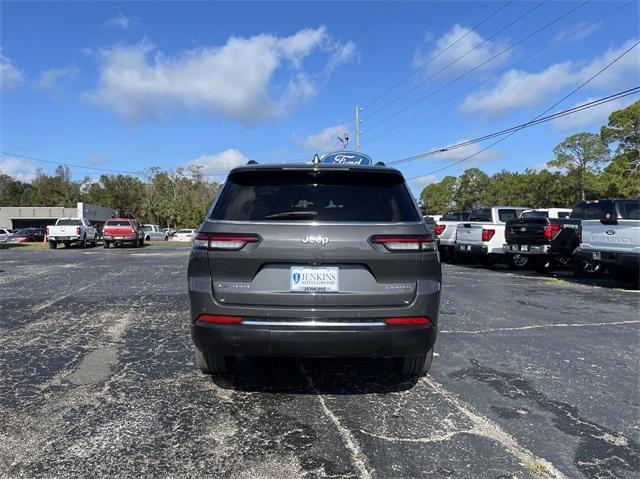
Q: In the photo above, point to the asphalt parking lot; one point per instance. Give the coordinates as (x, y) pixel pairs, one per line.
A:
(534, 377)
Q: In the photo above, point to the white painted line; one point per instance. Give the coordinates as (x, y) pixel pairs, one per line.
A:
(357, 456)
(483, 426)
(540, 326)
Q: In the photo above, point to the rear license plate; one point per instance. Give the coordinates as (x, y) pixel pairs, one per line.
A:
(118, 237)
(597, 255)
(524, 247)
(314, 279)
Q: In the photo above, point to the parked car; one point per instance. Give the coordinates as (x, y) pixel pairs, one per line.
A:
(153, 232)
(122, 231)
(27, 235)
(445, 231)
(68, 231)
(553, 242)
(4, 234)
(184, 235)
(316, 261)
(482, 236)
(169, 231)
(614, 241)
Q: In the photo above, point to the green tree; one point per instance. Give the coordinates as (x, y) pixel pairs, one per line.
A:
(439, 197)
(579, 155)
(12, 191)
(472, 188)
(624, 129)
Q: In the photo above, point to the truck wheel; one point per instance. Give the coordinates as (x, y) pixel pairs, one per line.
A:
(166, 238)
(586, 268)
(136, 243)
(544, 265)
(83, 243)
(517, 261)
(210, 363)
(53, 245)
(630, 277)
(488, 261)
(67, 244)
(415, 365)
(105, 244)
(147, 238)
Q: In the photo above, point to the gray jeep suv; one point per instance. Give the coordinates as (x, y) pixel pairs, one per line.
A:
(314, 261)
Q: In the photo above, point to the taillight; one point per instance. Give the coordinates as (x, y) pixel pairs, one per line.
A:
(78, 231)
(406, 242)
(439, 229)
(407, 321)
(551, 231)
(487, 234)
(214, 318)
(221, 241)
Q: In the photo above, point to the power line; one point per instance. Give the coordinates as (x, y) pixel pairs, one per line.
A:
(570, 111)
(31, 158)
(493, 75)
(453, 62)
(502, 52)
(416, 70)
(432, 59)
(572, 92)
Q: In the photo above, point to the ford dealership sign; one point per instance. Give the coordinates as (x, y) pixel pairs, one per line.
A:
(346, 158)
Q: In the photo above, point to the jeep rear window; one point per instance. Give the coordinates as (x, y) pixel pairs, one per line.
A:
(307, 195)
(118, 223)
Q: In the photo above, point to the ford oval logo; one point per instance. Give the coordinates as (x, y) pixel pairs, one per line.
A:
(346, 158)
(610, 232)
(523, 229)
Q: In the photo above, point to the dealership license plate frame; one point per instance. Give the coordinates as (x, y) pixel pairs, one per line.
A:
(323, 286)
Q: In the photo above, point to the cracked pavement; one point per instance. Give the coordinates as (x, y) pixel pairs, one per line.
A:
(533, 377)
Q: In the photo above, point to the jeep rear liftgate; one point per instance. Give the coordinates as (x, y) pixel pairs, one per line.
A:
(305, 238)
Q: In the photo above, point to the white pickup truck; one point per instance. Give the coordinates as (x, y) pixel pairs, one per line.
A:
(614, 241)
(482, 236)
(445, 231)
(68, 231)
(155, 233)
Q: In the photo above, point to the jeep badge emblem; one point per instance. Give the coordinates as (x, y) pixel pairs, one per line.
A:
(308, 239)
(610, 232)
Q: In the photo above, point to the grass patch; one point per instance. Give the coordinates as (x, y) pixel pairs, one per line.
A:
(24, 245)
(537, 467)
(168, 243)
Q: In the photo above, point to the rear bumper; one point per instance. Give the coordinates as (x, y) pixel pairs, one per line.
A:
(471, 249)
(313, 341)
(628, 261)
(119, 238)
(530, 249)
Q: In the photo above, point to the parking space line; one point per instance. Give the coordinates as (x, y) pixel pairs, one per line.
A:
(485, 427)
(540, 326)
(357, 456)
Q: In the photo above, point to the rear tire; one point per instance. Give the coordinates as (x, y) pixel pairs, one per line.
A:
(628, 277)
(66, 245)
(53, 245)
(210, 363)
(517, 262)
(83, 243)
(584, 268)
(412, 366)
(105, 244)
(136, 243)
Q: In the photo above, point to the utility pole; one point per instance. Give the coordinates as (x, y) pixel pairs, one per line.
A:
(357, 128)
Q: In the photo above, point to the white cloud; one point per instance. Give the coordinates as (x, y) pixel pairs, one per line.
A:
(517, 89)
(235, 80)
(18, 168)
(595, 116)
(122, 21)
(10, 76)
(584, 30)
(50, 79)
(321, 140)
(469, 50)
(219, 163)
(418, 184)
(97, 159)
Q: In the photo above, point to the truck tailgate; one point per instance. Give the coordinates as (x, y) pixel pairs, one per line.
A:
(623, 237)
(469, 233)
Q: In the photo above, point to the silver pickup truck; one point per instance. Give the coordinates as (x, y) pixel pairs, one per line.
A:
(615, 241)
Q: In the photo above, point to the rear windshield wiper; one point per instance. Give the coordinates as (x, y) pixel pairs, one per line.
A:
(292, 215)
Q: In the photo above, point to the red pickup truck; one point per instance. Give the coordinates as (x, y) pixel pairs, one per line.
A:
(122, 230)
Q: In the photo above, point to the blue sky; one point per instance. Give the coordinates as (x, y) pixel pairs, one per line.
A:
(126, 86)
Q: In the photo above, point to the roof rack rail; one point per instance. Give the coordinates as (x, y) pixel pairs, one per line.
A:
(252, 162)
